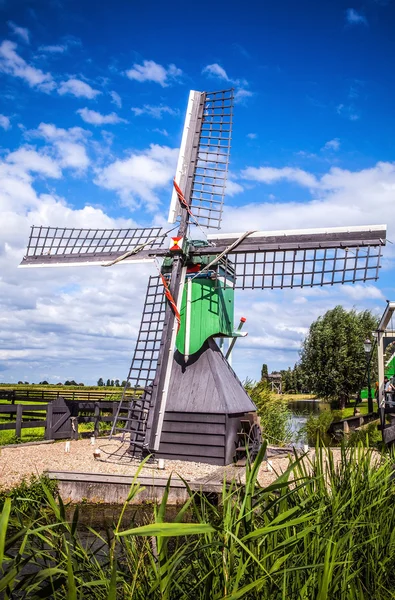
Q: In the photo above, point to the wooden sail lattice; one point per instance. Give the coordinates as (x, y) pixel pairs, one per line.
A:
(209, 180)
(305, 268)
(132, 413)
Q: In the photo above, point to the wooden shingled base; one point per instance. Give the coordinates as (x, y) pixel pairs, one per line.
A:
(205, 409)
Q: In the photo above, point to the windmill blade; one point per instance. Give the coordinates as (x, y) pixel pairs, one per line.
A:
(204, 156)
(278, 259)
(67, 247)
(142, 370)
(145, 358)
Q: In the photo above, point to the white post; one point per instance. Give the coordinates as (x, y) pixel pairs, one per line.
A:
(188, 311)
(169, 367)
(380, 358)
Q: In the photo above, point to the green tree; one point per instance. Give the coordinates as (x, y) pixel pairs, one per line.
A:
(333, 361)
(100, 382)
(264, 371)
(108, 383)
(117, 383)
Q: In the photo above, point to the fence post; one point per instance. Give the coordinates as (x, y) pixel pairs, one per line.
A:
(48, 422)
(97, 419)
(18, 424)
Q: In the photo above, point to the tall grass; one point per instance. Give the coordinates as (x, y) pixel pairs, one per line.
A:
(320, 531)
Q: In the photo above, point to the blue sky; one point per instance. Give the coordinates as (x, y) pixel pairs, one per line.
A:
(91, 115)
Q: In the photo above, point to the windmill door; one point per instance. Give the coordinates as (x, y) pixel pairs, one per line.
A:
(62, 420)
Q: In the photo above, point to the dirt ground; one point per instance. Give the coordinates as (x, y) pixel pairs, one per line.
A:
(22, 461)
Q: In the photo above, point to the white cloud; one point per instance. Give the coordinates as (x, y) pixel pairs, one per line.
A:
(32, 161)
(5, 122)
(215, 70)
(67, 145)
(252, 136)
(60, 323)
(21, 32)
(54, 49)
(241, 94)
(161, 131)
(50, 132)
(233, 188)
(353, 17)
(339, 197)
(348, 111)
(332, 144)
(156, 112)
(116, 99)
(72, 155)
(366, 291)
(140, 176)
(15, 65)
(272, 175)
(152, 71)
(77, 88)
(96, 118)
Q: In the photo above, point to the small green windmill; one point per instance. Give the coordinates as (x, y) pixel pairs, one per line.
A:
(188, 402)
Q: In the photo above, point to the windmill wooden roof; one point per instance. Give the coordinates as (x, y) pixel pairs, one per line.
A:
(206, 384)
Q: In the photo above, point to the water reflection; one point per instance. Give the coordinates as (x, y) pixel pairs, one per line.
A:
(301, 409)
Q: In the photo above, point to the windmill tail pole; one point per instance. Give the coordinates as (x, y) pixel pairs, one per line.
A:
(231, 346)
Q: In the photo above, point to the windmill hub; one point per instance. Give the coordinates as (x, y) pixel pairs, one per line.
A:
(188, 403)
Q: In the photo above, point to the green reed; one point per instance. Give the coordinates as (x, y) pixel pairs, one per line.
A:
(321, 531)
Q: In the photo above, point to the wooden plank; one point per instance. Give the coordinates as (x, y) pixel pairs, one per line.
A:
(18, 424)
(196, 450)
(210, 460)
(195, 417)
(188, 427)
(12, 408)
(33, 424)
(96, 419)
(48, 428)
(186, 439)
(7, 426)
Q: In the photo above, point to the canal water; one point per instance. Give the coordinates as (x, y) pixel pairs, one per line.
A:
(301, 410)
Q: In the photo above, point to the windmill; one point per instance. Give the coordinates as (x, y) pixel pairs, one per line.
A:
(188, 404)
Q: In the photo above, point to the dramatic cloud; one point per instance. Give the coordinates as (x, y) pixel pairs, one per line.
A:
(77, 88)
(15, 65)
(60, 324)
(96, 118)
(152, 71)
(355, 18)
(21, 32)
(139, 177)
(339, 197)
(5, 122)
(116, 99)
(156, 112)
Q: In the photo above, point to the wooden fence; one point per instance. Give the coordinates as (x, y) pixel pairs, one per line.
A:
(60, 418)
(34, 395)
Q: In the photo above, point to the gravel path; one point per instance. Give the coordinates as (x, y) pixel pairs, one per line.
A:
(20, 462)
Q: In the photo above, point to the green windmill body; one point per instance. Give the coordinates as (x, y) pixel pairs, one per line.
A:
(207, 305)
